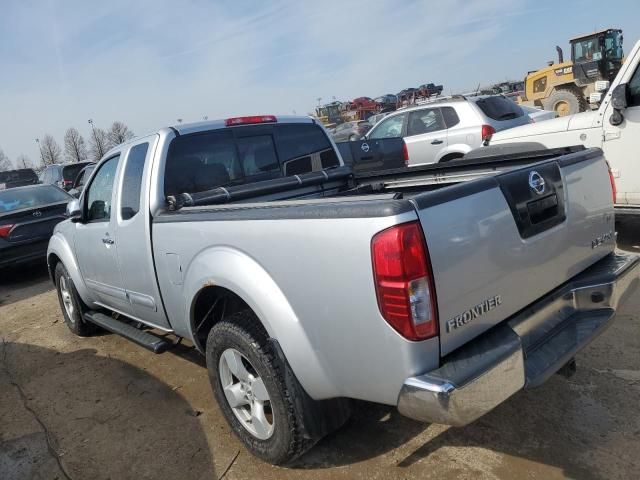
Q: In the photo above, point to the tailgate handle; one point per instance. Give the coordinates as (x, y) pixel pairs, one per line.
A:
(543, 209)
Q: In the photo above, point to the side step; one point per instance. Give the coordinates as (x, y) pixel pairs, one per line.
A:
(144, 339)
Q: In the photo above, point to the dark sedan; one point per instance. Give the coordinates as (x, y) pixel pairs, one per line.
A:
(27, 218)
(17, 178)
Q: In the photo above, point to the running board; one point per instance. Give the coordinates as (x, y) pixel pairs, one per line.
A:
(145, 339)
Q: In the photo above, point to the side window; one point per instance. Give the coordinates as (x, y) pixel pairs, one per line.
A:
(425, 121)
(132, 181)
(100, 192)
(389, 128)
(634, 89)
(451, 118)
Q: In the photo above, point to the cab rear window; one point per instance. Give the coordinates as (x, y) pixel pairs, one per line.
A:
(238, 155)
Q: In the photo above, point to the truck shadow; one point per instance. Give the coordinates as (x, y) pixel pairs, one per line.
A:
(80, 415)
(534, 429)
(24, 281)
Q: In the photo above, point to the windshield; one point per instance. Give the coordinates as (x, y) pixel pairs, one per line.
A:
(18, 175)
(613, 45)
(29, 197)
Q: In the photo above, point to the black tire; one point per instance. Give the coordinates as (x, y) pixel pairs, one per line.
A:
(451, 156)
(566, 101)
(290, 405)
(75, 322)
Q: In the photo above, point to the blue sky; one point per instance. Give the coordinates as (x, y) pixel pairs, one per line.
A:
(148, 63)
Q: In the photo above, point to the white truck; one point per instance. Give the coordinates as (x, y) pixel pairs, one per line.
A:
(614, 127)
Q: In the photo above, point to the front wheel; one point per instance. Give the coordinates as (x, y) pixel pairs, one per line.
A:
(71, 304)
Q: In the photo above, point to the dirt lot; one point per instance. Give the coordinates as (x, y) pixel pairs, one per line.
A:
(105, 408)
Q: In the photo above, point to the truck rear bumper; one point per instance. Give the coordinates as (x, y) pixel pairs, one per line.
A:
(523, 351)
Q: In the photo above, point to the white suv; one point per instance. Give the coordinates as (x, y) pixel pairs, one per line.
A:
(446, 129)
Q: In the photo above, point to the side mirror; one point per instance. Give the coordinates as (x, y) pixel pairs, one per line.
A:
(74, 212)
(619, 103)
(619, 97)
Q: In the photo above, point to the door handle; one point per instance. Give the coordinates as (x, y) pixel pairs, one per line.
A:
(108, 241)
(437, 142)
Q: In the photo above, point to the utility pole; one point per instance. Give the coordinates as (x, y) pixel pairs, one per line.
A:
(40, 148)
(95, 138)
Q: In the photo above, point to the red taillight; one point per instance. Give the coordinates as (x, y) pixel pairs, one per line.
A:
(5, 230)
(67, 183)
(614, 190)
(487, 132)
(404, 282)
(229, 122)
(405, 154)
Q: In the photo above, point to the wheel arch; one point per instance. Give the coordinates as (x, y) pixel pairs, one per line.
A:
(225, 272)
(59, 251)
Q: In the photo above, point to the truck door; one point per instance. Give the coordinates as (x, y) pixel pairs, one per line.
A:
(621, 142)
(95, 240)
(133, 234)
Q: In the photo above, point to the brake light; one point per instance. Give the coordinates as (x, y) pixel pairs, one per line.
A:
(5, 230)
(614, 190)
(405, 154)
(404, 281)
(487, 132)
(229, 122)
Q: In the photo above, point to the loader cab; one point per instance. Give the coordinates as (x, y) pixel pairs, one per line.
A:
(597, 56)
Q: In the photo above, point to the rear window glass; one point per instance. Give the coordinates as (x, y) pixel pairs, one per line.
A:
(499, 108)
(70, 172)
(29, 197)
(296, 141)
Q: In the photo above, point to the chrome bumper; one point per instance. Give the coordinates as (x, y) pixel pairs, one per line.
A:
(523, 351)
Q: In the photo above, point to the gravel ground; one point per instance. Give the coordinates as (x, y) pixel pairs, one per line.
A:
(101, 407)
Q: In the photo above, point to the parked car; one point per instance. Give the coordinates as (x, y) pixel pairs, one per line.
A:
(444, 130)
(305, 291)
(17, 178)
(62, 175)
(81, 179)
(27, 217)
(387, 101)
(614, 127)
(430, 89)
(351, 130)
(537, 114)
(364, 102)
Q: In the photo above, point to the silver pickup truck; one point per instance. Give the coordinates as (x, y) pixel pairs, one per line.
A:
(306, 287)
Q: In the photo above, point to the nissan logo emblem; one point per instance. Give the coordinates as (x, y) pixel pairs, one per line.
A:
(536, 182)
(37, 213)
(365, 147)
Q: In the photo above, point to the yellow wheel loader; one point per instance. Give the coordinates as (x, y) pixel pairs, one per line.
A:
(568, 87)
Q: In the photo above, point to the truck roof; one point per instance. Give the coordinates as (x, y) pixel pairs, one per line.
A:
(597, 32)
(185, 128)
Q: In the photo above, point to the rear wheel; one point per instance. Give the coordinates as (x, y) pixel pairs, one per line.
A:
(566, 101)
(258, 394)
(71, 304)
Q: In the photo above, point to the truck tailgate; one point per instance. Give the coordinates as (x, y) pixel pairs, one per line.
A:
(499, 243)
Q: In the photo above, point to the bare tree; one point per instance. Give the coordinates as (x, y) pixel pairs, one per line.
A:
(75, 150)
(5, 163)
(23, 161)
(119, 133)
(98, 144)
(51, 151)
